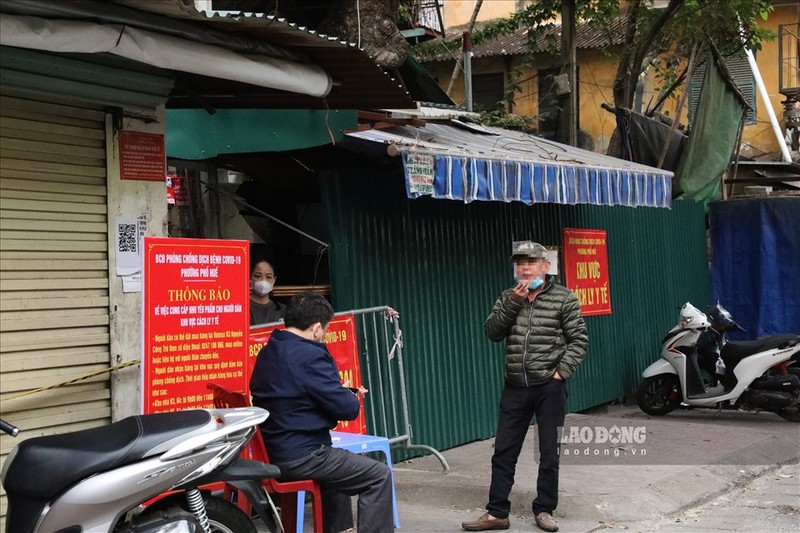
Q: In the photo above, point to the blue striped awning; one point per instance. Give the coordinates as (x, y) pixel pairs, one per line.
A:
(469, 163)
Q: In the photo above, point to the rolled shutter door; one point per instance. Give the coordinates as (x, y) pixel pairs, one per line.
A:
(54, 310)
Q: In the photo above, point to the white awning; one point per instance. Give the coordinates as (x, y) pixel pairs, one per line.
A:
(469, 163)
(163, 51)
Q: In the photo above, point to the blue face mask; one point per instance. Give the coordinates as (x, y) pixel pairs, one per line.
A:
(535, 284)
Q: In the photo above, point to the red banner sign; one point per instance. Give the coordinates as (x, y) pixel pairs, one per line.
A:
(141, 156)
(341, 342)
(586, 269)
(195, 320)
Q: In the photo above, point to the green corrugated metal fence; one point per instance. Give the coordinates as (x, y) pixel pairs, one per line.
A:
(442, 264)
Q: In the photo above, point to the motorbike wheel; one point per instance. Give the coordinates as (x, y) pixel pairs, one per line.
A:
(659, 395)
(224, 517)
(792, 414)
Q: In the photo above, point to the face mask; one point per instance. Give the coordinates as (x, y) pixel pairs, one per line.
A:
(261, 287)
(535, 284)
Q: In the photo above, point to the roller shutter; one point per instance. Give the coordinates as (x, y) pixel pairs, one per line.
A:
(54, 310)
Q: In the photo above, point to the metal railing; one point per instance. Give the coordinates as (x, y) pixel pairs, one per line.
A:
(382, 373)
(428, 14)
(789, 60)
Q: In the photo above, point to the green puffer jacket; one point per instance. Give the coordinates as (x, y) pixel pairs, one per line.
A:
(542, 336)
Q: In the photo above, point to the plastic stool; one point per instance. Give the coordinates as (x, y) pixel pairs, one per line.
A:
(356, 443)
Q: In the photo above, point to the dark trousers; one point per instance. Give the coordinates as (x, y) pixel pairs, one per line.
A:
(518, 405)
(342, 474)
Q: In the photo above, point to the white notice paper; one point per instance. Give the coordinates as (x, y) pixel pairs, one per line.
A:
(128, 233)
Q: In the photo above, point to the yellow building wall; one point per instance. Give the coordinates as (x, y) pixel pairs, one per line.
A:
(596, 77)
(759, 138)
(595, 87)
(457, 13)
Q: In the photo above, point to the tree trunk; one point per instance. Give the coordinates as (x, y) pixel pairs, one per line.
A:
(372, 25)
(631, 63)
(460, 58)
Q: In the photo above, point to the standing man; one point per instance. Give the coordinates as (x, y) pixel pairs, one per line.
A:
(546, 340)
(296, 380)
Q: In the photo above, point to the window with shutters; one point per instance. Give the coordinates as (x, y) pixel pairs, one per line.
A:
(742, 76)
(488, 91)
(553, 98)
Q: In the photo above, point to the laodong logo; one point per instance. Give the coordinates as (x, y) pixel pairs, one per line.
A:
(602, 435)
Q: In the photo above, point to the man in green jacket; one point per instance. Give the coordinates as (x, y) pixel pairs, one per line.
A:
(546, 340)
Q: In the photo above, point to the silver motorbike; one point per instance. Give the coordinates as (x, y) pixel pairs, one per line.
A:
(763, 374)
(143, 474)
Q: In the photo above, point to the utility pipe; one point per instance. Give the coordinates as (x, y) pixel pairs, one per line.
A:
(467, 45)
(762, 90)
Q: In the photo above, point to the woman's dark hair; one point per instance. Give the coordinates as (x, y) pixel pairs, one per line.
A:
(306, 309)
(254, 261)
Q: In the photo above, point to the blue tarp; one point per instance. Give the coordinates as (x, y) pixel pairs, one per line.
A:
(470, 163)
(755, 267)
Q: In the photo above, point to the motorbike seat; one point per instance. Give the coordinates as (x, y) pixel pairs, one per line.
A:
(733, 352)
(44, 467)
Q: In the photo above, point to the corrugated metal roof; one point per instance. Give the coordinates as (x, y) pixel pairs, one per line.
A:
(588, 36)
(359, 83)
(495, 143)
(471, 162)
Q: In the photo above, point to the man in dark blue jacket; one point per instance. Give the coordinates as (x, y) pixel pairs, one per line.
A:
(296, 380)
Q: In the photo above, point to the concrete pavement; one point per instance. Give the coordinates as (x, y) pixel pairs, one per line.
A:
(770, 503)
(622, 466)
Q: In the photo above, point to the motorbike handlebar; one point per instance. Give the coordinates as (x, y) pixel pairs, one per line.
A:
(8, 428)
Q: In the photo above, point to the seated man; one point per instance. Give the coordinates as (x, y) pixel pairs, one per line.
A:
(296, 380)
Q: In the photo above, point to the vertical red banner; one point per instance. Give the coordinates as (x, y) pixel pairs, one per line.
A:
(586, 269)
(195, 320)
(341, 342)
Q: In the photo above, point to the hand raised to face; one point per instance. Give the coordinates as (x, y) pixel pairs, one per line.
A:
(521, 289)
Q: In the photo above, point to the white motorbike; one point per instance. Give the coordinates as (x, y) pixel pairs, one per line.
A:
(143, 474)
(763, 374)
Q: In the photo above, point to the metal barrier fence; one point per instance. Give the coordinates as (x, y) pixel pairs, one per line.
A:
(381, 352)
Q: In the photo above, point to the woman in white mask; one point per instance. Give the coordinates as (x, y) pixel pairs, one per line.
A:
(262, 308)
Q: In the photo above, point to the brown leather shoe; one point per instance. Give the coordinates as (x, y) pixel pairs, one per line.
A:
(485, 523)
(546, 521)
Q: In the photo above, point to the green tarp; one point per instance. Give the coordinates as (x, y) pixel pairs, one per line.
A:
(195, 134)
(713, 137)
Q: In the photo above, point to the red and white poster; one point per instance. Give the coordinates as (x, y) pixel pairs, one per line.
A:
(141, 156)
(341, 342)
(586, 269)
(195, 320)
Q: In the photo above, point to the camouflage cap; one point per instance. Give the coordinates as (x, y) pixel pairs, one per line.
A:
(527, 250)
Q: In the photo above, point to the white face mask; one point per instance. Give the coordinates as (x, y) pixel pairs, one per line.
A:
(262, 287)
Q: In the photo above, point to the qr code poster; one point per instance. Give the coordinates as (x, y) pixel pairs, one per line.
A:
(128, 233)
(128, 243)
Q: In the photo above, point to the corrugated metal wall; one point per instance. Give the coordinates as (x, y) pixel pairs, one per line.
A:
(442, 264)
